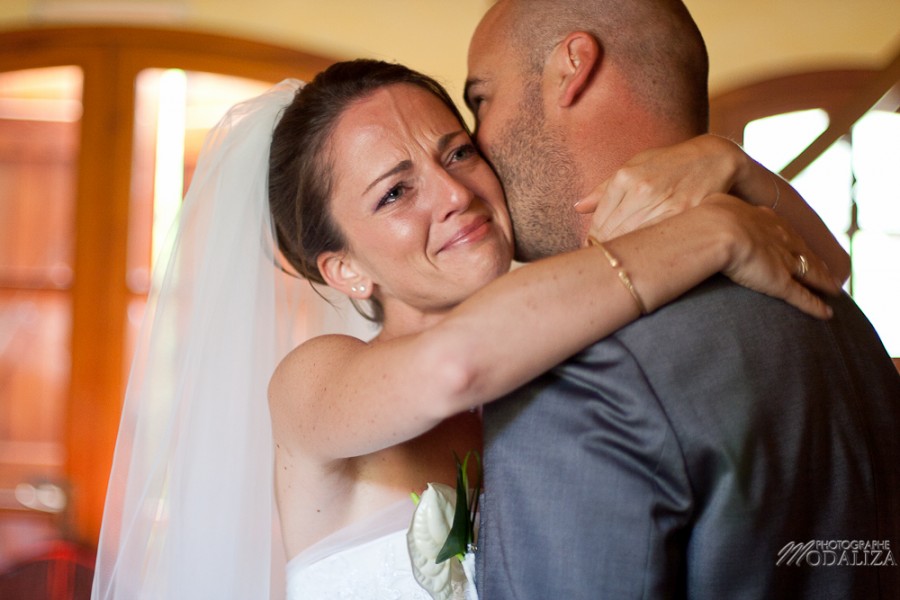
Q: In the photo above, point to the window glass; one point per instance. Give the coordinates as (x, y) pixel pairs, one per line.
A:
(855, 188)
(174, 110)
(40, 112)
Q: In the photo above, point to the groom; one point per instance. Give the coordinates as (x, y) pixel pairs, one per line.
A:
(726, 446)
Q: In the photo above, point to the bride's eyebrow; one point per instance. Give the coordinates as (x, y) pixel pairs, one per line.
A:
(445, 140)
(403, 165)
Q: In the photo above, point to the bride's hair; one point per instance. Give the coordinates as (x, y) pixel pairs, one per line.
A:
(301, 160)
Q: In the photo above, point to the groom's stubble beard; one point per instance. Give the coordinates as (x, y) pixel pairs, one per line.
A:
(540, 180)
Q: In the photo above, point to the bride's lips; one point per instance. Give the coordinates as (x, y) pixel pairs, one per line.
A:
(471, 232)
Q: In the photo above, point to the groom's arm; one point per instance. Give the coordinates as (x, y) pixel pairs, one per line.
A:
(586, 491)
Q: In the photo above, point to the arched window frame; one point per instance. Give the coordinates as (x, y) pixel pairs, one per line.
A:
(110, 59)
(845, 94)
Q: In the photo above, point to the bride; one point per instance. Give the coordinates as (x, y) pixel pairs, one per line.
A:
(373, 187)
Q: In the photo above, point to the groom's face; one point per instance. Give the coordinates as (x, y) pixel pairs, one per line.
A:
(529, 154)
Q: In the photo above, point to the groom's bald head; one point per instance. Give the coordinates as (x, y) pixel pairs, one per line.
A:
(656, 42)
(565, 91)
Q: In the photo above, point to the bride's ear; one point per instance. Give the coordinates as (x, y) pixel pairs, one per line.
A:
(339, 271)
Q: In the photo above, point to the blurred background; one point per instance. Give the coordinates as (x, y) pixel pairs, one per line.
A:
(104, 105)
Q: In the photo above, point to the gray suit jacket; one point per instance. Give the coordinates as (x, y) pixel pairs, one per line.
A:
(680, 457)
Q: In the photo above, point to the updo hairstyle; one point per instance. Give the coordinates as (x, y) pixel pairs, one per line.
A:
(301, 162)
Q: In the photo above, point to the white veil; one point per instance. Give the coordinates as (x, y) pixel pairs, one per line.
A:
(189, 511)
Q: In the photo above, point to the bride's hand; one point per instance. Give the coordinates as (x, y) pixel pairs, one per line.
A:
(662, 182)
(768, 256)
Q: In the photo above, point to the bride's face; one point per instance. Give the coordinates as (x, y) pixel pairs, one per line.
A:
(423, 214)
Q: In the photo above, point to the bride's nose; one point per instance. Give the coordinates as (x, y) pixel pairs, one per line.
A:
(451, 195)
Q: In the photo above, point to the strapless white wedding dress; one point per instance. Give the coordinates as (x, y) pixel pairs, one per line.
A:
(367, 560)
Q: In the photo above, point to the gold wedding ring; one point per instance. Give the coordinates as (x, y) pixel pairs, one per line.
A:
(802, 266)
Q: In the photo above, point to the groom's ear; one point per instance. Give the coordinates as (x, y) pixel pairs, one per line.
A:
(573, 62)
(341, 273)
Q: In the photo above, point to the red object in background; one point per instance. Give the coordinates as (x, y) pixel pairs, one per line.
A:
(63, 572)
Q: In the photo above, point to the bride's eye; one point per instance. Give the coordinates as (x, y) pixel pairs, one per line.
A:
(391, 196)
(463, 152)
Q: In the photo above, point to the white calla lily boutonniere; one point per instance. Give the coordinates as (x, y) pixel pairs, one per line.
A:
(441, 537)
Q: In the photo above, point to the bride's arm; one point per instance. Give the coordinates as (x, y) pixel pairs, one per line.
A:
(660, 182)
(345, 398)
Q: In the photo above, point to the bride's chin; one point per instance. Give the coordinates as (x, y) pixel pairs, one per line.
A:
(489, 272)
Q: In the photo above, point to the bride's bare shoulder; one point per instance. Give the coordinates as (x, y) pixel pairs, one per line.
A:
(312, 364)
(324, 346)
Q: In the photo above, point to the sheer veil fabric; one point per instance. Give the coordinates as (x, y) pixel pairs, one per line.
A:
(190, 506)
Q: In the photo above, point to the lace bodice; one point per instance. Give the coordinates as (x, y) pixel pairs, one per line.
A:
(376, 570)
(368, 559)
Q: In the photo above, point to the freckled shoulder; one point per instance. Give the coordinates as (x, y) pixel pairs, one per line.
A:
(298, 391)
(308, 368)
